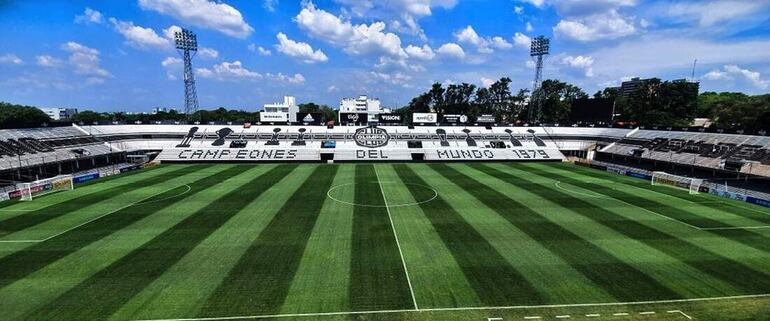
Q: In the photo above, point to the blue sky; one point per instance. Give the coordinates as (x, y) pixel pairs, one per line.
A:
(116, 55)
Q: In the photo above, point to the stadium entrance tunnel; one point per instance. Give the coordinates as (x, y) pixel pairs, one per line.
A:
(370, 194)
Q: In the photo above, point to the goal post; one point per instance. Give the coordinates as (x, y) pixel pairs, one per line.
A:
(41, 187)
(684, 182)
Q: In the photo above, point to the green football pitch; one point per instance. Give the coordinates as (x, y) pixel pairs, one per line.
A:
(459, 241)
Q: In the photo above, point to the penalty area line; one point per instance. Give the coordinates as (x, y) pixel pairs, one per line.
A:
(516, 307)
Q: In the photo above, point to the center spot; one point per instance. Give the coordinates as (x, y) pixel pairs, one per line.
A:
(345, 193)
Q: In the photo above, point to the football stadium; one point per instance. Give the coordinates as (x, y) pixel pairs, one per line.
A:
(393, 223)
(648, 200)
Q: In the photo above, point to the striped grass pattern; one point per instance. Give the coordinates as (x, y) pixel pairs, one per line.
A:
(450, 240)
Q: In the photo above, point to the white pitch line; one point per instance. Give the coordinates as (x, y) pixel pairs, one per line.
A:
(532, 318)
(680, 312)
(593, 315)
(734, 228)
(516, 307)
(395, 235)
(647, 312)
(96, 218)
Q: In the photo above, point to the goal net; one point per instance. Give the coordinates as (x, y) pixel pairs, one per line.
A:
(688, 183)
(45, 186)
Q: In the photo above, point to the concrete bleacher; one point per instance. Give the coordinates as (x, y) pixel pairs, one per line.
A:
(709, 150)
(36, 146)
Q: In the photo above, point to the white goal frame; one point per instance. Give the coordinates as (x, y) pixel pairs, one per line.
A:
(684, 182)
(46, 186)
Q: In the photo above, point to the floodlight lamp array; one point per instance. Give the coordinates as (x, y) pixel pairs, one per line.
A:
(186, 40)
(540, 46)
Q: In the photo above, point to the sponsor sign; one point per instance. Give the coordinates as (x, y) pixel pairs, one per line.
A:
(616, 170)
(130, 168)
(85, 178)
(639, 175)
(486, 119)
(371, 137)
(390, 118)
(213, 154)
(310, 118)
(372, 154)
(455, 119)
(757, 201)
(354, 118)
(267, 117)
(424, 118)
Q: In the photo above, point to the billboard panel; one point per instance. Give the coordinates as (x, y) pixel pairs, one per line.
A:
(310, 118)
(424, 118)
(267, 117)
(354, 118)
(390, 118)
(454, 119)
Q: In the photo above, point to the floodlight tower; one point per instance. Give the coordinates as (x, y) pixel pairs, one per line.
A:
(187, 42)
(540, 47)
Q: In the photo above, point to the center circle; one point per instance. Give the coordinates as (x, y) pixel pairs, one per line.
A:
(345, 193)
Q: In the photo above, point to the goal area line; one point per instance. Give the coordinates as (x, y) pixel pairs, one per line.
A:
(459, 309)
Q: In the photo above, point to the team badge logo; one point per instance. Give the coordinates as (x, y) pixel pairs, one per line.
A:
(371, 137)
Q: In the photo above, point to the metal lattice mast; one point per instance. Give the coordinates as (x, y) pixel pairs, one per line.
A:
(187, 44)
(540, 47)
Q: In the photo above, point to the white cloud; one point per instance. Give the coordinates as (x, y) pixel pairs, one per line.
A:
(269, 5)
(171, 31)
(228, 71)
(518, 9)
(486, 82)
(11, 59)
(754, 77)
(203, 13)
(208, 52)
(396, 78)
(47, 61)
(354, 39)
(717, 75)
(451, 50)
(529, 27)
(709, 13)
(536, 3)
(173, 66)
(332, 89)
(299, 50)
(610, 25)
(296, 79)
(482, 44)
(90, 16)
(140, 37)
(402, 14)
(641, 56)
(260, 50)
(584, 63)
(522, 40)
(85, 61)
(170, 61)
(421, 53)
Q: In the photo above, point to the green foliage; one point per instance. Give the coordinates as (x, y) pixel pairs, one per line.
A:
(19, 116)
(660, 103)
(557, 97)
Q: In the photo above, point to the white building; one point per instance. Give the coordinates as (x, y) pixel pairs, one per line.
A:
(363, 104)
(289, 106)
(60, 113)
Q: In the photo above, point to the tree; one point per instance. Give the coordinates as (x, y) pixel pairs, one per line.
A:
(20, 116)
(501, 98)
(89, 117)
(556, 99)
(658, 103)
(437, 98)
